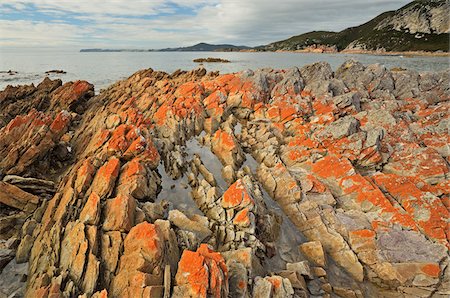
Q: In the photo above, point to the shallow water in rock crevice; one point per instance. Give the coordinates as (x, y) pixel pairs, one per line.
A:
(250, 162)
(210, 161)
(12, 279)
(289, 240)
(177, 193)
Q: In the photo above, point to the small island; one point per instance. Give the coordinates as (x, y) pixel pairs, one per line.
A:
(211, 60)
(56, 71)
(10, 72)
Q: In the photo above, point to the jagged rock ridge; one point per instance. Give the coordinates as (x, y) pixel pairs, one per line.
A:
(354, 164)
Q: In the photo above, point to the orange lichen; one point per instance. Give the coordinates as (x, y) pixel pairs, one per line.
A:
(118, 141)
(432, 270)
(275, 281)
(242, 218)
(101, 138)
(330, 166)
(143, 236)
(136, 147)
(236, 195)
(61, 121)
(110, 170)
(429, 212)
(204, 271)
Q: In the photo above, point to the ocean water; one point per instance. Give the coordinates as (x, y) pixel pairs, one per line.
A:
(103, 69)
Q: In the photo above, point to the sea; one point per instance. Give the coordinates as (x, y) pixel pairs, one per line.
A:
(105, 68)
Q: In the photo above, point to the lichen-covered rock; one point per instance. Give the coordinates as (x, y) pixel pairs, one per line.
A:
(201, 273)
(247, 174)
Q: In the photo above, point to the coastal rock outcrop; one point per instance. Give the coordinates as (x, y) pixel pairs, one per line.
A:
(267, 183)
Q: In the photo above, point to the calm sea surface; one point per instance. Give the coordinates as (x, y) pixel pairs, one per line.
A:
(102, 69)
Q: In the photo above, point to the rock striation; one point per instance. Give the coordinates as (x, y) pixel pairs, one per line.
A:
(270, 183)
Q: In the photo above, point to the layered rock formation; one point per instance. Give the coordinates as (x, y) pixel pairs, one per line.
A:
(269, 183)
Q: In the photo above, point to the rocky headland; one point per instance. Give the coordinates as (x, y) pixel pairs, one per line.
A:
(422, 26)
(270, 183)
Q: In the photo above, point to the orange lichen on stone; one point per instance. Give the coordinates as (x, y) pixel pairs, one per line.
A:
(428, 211)
(60, 123)
(432, 270)
(203, 272)
(362, 240)
(413, 161)
(287, 111)
(317, 186)
(134, 167)
(364, 233)
(119, 214)
(342, 148)
(150, 155)
(184, 106)
(236, 195)
(80, 87)
(91, 210)
(136, 147)
(160, 115)
(242, 218)
(325, 111)
(20, 120)
(118, 141)
(305, 93)
(106, 176)
(226, 139)
(145, 238)
(111, 169)
(192, 272)
(364, 192)
(341, 173)
(85, 174)
(275, 281)
(101, 138)
(330, 166)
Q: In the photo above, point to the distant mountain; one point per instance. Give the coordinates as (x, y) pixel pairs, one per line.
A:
(200, 47)
(115, 50)
(418, 26)
(205, 47)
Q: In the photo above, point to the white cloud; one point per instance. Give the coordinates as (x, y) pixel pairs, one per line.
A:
(122, 23)
(31, 33)
(102, 7)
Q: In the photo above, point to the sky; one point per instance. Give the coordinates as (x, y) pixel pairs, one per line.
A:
(171, 23)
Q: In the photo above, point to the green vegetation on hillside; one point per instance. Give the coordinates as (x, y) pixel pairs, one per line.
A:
(367, 37)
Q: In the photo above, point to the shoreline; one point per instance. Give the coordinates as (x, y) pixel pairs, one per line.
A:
(365, 52)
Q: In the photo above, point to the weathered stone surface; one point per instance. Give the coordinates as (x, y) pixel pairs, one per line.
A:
(13, 196)
(314, 251)
(348, 169)
(138, 272)
(28, 138)
(197, 225)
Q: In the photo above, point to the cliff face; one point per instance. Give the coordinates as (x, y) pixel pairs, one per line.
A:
(418, 26)
(268, 183)
(420, 17)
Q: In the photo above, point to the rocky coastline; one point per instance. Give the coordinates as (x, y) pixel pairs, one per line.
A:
(304, 182)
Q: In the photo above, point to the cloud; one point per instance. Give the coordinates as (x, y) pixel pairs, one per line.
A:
(32, 33)
(164, 23)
